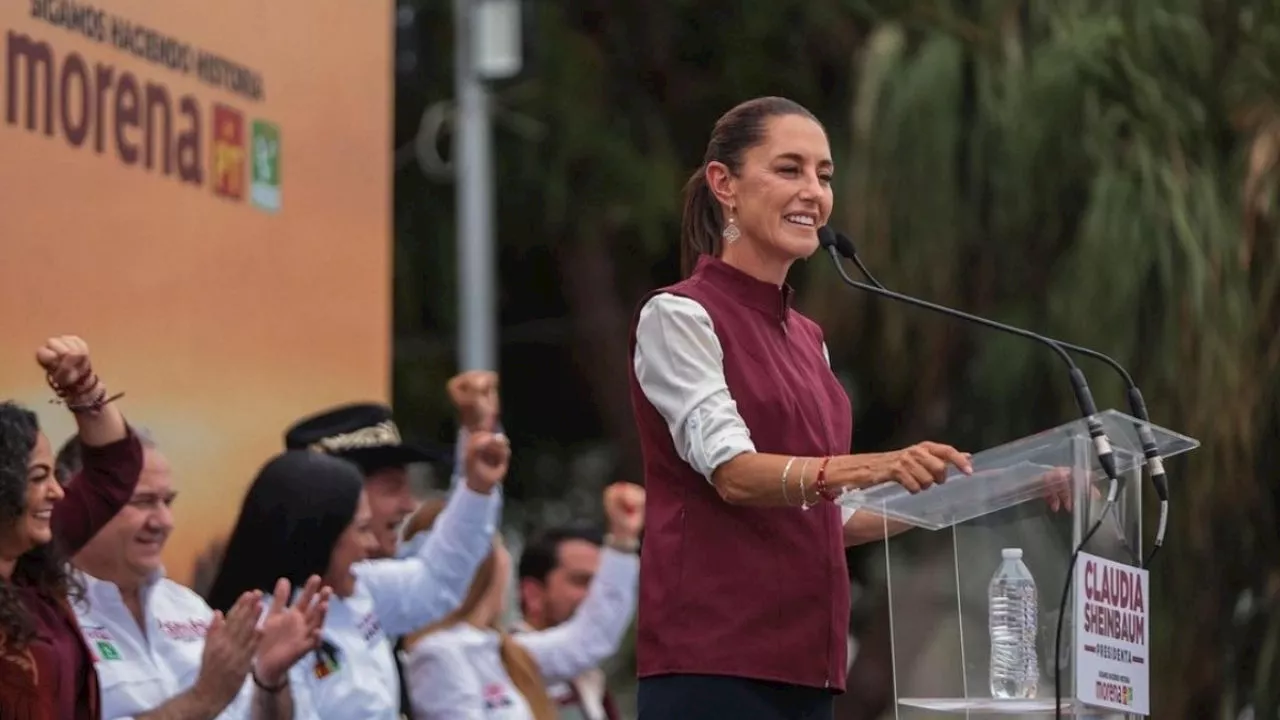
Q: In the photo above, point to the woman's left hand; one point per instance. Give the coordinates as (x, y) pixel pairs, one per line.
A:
(1057, 489)
(65, 360)
(290, 631)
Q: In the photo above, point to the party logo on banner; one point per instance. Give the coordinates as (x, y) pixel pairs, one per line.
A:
(228, 157)
(265, 188)
(118, 103)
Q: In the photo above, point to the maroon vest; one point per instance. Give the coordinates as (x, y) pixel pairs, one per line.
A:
(759, 593)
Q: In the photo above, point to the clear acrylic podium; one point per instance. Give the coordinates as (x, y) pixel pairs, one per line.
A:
(937, 581)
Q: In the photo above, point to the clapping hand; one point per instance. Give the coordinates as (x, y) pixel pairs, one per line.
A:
(229, 647)
(290, 631)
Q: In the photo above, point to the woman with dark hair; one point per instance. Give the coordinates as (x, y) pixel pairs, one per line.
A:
(307, 513)
(46, 670)
(745, 433)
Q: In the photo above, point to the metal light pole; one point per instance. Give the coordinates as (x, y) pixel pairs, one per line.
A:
(486, 47)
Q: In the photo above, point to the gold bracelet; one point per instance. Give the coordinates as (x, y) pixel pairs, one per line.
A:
(786, 500)
(804, 499)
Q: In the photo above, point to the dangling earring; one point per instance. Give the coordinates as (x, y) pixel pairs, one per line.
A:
(731, 232)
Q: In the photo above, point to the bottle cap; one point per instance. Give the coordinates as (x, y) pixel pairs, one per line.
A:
(1011, 553)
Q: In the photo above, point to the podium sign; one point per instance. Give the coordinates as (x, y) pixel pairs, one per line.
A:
(1112, 640)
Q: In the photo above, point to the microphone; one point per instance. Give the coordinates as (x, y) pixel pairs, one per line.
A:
(1155, 463)
(828, 240)
(1080, 386)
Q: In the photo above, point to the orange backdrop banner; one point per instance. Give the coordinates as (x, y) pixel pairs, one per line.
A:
(202, 191)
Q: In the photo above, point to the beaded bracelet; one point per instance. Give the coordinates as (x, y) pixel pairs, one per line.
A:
(86, 384)
(821, 482)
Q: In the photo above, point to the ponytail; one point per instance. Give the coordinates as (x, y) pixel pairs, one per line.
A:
(527, 677)
(700, 228)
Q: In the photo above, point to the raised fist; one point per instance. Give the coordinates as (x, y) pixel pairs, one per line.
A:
(624, 508)
(487, 457)
(65, 359)
(475, 394)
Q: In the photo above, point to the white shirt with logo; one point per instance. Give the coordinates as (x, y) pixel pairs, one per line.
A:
(457, 673)
(140, 671)
(353, 673)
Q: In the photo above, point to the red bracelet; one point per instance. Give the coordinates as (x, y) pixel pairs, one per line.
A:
(821, 483)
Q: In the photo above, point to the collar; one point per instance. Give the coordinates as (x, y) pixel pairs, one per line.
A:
(770, 299)
(95, 586)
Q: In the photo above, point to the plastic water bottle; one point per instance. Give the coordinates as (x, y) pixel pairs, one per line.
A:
(1013, 604)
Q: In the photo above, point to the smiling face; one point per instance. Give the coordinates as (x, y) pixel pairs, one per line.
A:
(128, 549)
(357, 542)
(32, 527)
(391, 500)
(781, 193)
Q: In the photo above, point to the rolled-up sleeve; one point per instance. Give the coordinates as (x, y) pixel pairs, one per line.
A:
(418, 590)
(96, 493)
(679, 364)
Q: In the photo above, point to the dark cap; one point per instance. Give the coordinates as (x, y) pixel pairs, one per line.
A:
(362, 433)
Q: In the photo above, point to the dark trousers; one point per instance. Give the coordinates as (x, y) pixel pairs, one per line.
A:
(717, 697)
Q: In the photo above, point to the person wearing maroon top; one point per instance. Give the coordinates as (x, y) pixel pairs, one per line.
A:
(745, 432)
(46, 672)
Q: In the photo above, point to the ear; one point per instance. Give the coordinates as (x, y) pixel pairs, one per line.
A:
(723, 185)
(530, 595)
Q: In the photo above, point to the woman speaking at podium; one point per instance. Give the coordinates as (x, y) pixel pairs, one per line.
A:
(745, 431)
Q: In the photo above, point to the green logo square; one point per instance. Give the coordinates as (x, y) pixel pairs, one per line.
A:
(107, 650)
(264, 163)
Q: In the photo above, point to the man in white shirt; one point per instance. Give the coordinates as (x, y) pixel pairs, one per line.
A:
(556, 570)
(158, 649)
(366, 435)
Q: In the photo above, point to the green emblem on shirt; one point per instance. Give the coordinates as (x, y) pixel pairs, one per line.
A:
(107, 651)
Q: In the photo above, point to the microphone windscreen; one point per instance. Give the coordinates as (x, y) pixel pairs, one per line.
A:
(827, 238)
(845, 246)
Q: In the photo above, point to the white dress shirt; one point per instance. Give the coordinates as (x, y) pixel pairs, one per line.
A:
(581, 697)
(138, 672)
(353, 674)
(457, 673)
(679, 364)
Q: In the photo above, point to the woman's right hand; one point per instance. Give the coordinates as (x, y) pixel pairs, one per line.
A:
(920, 466)
(229, 646)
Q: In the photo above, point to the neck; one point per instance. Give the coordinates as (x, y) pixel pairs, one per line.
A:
(342, 587)
(130, 588)
(535, 622)
(103, 568)
(746, 255)
(7, 564)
